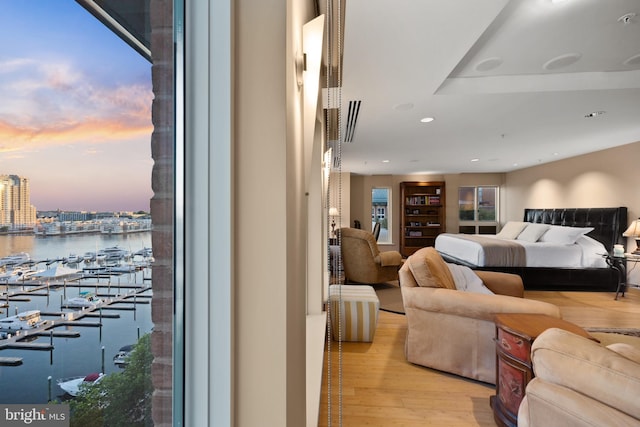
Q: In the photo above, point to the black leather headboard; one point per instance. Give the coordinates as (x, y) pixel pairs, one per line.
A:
(608, 223)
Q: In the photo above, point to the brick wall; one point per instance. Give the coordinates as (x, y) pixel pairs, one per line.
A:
(162, 205)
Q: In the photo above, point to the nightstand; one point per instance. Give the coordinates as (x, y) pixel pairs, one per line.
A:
(619, 263)
(514, 335)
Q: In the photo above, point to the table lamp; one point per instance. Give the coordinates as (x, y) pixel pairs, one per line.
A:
(634, 231)
(333, 213)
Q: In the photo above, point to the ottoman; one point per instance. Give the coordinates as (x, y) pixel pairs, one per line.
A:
(354, 312)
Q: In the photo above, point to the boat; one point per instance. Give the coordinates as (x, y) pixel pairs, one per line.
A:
(19, 275)
(72, 385)
(89, 257)
(84, 299)
(15, 259)
(74, 259)
(114, 253)
(121, 358)
(22, 321)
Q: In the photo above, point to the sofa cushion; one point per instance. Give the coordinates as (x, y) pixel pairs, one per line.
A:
(626, 350)
(430, 270)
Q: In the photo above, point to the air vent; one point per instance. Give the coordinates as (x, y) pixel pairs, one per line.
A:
(352, 120)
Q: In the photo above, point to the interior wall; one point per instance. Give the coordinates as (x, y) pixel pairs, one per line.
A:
(361, 186)
(601, 179)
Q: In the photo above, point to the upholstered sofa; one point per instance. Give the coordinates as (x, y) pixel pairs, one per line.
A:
(453, 330)
(363, 261)
(579, 382)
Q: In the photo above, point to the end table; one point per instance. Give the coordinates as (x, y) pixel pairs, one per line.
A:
(515, 334)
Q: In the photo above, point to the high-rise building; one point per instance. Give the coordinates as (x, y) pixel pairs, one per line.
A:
(15, 201)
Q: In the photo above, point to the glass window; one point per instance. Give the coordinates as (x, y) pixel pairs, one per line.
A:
(478, 209)
(380, 212)
(79, 113)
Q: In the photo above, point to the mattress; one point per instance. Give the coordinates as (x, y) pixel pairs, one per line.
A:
(586, 253)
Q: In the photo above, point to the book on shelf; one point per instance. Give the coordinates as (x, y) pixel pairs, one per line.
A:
(434, 200)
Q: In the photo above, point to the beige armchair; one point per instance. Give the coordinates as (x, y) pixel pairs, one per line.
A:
(452, 330)
(362, 260)
(579, 382)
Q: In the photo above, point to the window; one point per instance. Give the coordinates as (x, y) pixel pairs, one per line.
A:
(380, 212)
(478, 209)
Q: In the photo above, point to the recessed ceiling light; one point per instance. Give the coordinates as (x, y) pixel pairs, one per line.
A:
(475, 160)
(427, 120)
(562, 61)
(385, 161)
(403, 107)
(594, 114)
(488, 64)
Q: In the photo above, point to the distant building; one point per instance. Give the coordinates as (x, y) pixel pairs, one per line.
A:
(15, 202)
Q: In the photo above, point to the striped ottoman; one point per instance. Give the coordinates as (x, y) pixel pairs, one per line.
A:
(356, 307)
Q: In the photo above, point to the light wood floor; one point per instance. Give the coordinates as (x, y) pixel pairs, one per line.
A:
(380, 388)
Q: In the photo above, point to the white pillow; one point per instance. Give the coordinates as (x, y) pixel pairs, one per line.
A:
(564, 235)
(511, 230)
(533, 232)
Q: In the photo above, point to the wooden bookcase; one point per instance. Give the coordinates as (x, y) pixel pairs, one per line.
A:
(422, 214)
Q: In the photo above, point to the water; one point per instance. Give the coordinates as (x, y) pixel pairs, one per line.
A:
(29, 382)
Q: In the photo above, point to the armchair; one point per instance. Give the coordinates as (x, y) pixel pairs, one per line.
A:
(453, 330)
(362, 260)
(581, 383)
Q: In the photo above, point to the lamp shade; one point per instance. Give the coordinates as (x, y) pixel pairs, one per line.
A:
(633, 230)
(333, 212)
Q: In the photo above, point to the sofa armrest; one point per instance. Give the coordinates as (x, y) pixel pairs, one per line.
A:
(472, 305)
(388, 258)
(582, 365)
(546, 404)
(502, 283)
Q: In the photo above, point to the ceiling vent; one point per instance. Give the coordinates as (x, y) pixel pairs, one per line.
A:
(352, 120)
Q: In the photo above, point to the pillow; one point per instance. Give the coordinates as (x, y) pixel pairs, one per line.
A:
(626, 350)
(564, 235)
(430, 270)
(533, 232)
(467, 281)
(511, 230)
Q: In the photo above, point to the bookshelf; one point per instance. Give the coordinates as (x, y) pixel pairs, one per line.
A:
(422, 214)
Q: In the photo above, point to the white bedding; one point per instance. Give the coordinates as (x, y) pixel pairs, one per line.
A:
(585, 253)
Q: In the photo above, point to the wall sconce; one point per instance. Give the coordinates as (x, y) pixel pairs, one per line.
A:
(634, 231)
(333, 213)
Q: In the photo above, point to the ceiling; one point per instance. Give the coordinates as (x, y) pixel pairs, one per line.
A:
(509, 83)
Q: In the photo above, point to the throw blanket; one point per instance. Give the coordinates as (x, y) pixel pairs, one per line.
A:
(466, 280)
(499, 252)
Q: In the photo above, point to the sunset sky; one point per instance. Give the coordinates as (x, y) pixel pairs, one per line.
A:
(75, 109)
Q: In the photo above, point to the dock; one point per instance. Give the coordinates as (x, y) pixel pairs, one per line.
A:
(79, 318)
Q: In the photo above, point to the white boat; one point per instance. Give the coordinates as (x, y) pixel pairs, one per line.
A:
(21, 321)
(89, 256)
(73, 259)
(84, 299)
(72, 385)
(20, 275)
(114, 253)
(14, 259)
(121, 358)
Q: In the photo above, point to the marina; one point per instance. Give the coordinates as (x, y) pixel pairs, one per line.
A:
(88, 310)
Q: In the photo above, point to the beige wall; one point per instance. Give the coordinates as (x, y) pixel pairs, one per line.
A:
(601, 179)
(361, 186)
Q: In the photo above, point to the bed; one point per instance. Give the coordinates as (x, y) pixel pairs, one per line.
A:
(563, 249)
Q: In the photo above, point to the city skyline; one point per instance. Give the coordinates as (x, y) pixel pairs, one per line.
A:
(76, 112)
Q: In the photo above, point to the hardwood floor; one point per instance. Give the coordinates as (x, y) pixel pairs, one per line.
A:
(380, 388)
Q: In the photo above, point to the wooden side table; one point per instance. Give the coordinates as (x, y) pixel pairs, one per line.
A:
(514, 335)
